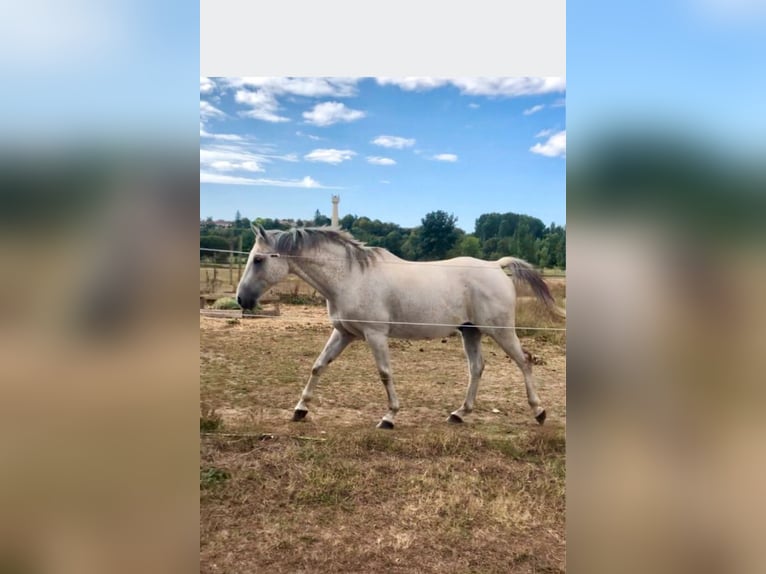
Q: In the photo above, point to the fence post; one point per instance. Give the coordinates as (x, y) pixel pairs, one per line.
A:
(239, 262)
(231, 263)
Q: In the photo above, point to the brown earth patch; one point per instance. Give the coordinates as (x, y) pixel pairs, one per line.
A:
(333, 494)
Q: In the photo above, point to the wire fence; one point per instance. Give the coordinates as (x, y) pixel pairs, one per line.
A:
(224, 313)
(238, 260)
(293, 290)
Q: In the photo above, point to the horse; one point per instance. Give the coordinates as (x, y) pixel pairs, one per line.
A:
(373, 295)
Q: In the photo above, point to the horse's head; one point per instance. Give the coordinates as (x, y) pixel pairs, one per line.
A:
(264, 269)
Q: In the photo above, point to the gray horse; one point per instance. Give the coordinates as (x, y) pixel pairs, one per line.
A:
(373, 295)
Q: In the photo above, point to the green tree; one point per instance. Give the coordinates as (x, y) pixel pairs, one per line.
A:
(438, 235)
(551, 248)
(207, 226)
(214, 242)
(347, 222)
(467, 246)
(523, 243)
(488, 226)
(321, 219)
(411, 246)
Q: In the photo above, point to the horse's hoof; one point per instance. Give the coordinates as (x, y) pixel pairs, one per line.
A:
(540, 418)
(384, 424)
(454, 419)
(299, 415)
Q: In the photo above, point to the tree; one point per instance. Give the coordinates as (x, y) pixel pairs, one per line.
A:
(320, 219)
(411, 246)
(468, 246)
(207, 226)
(438, 234)
(347, 221)
(220, 244)
(488, 226)
(523, 243)
(551, 248)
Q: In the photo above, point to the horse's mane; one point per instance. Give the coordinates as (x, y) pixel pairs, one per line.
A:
(298, 240)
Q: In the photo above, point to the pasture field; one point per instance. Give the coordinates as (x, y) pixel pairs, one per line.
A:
(334, 494)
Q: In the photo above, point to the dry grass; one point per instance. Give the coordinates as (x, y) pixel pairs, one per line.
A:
(333, 494)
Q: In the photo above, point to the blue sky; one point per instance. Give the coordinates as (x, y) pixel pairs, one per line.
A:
(394, 149)
(690, 68)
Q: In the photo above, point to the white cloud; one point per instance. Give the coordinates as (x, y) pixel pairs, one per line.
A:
(329, 113)
(307, 87)
(377, 160)
(544, 133)
(508, 87)
(231, 166)
(559, 103)
(334, 156)
(385, 181)
(230, 158)
(533, 110)
(473, 105)
(208, 110)
(206, 85)
(413, 83)
(395, 142)
(239, 156)
(451, 157)
(310, 136)
(263, 106)
(223, 137)
(207, 177)
(306, 183)
(555, 146)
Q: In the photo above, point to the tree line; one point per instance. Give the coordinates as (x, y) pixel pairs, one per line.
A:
(438, 237)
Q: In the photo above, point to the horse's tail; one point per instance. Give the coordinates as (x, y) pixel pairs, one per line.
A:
(521, 271)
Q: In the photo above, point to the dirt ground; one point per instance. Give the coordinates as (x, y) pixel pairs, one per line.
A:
(334, 494)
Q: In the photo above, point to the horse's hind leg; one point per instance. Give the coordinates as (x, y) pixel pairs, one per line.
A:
(379, 345)
(472, 348)
(510, 343)
(338, 341)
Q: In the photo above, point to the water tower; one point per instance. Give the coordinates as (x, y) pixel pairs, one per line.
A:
(335, 202)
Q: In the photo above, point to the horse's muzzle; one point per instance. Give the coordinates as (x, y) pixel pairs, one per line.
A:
(247, 303)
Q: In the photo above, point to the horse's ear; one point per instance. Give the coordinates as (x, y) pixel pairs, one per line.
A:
(258, 230)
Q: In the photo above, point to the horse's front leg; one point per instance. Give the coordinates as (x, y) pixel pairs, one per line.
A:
(379, 344)
(338, 341)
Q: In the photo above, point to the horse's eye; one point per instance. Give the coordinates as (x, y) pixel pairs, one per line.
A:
(257, 258)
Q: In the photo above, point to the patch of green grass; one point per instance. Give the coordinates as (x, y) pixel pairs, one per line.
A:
(209, 420)
(301, 299)
(211, 476)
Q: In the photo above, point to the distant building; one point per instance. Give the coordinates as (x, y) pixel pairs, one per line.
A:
(223, 223)
(335, 202)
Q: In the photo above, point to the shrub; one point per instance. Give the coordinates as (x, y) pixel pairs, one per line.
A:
(226, 303)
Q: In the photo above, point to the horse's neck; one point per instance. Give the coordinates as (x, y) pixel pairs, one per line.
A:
(320, 270)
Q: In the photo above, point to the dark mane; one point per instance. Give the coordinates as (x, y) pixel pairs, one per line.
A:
(296, 241)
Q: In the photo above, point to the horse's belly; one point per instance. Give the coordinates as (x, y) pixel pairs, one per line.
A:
(420, 331)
